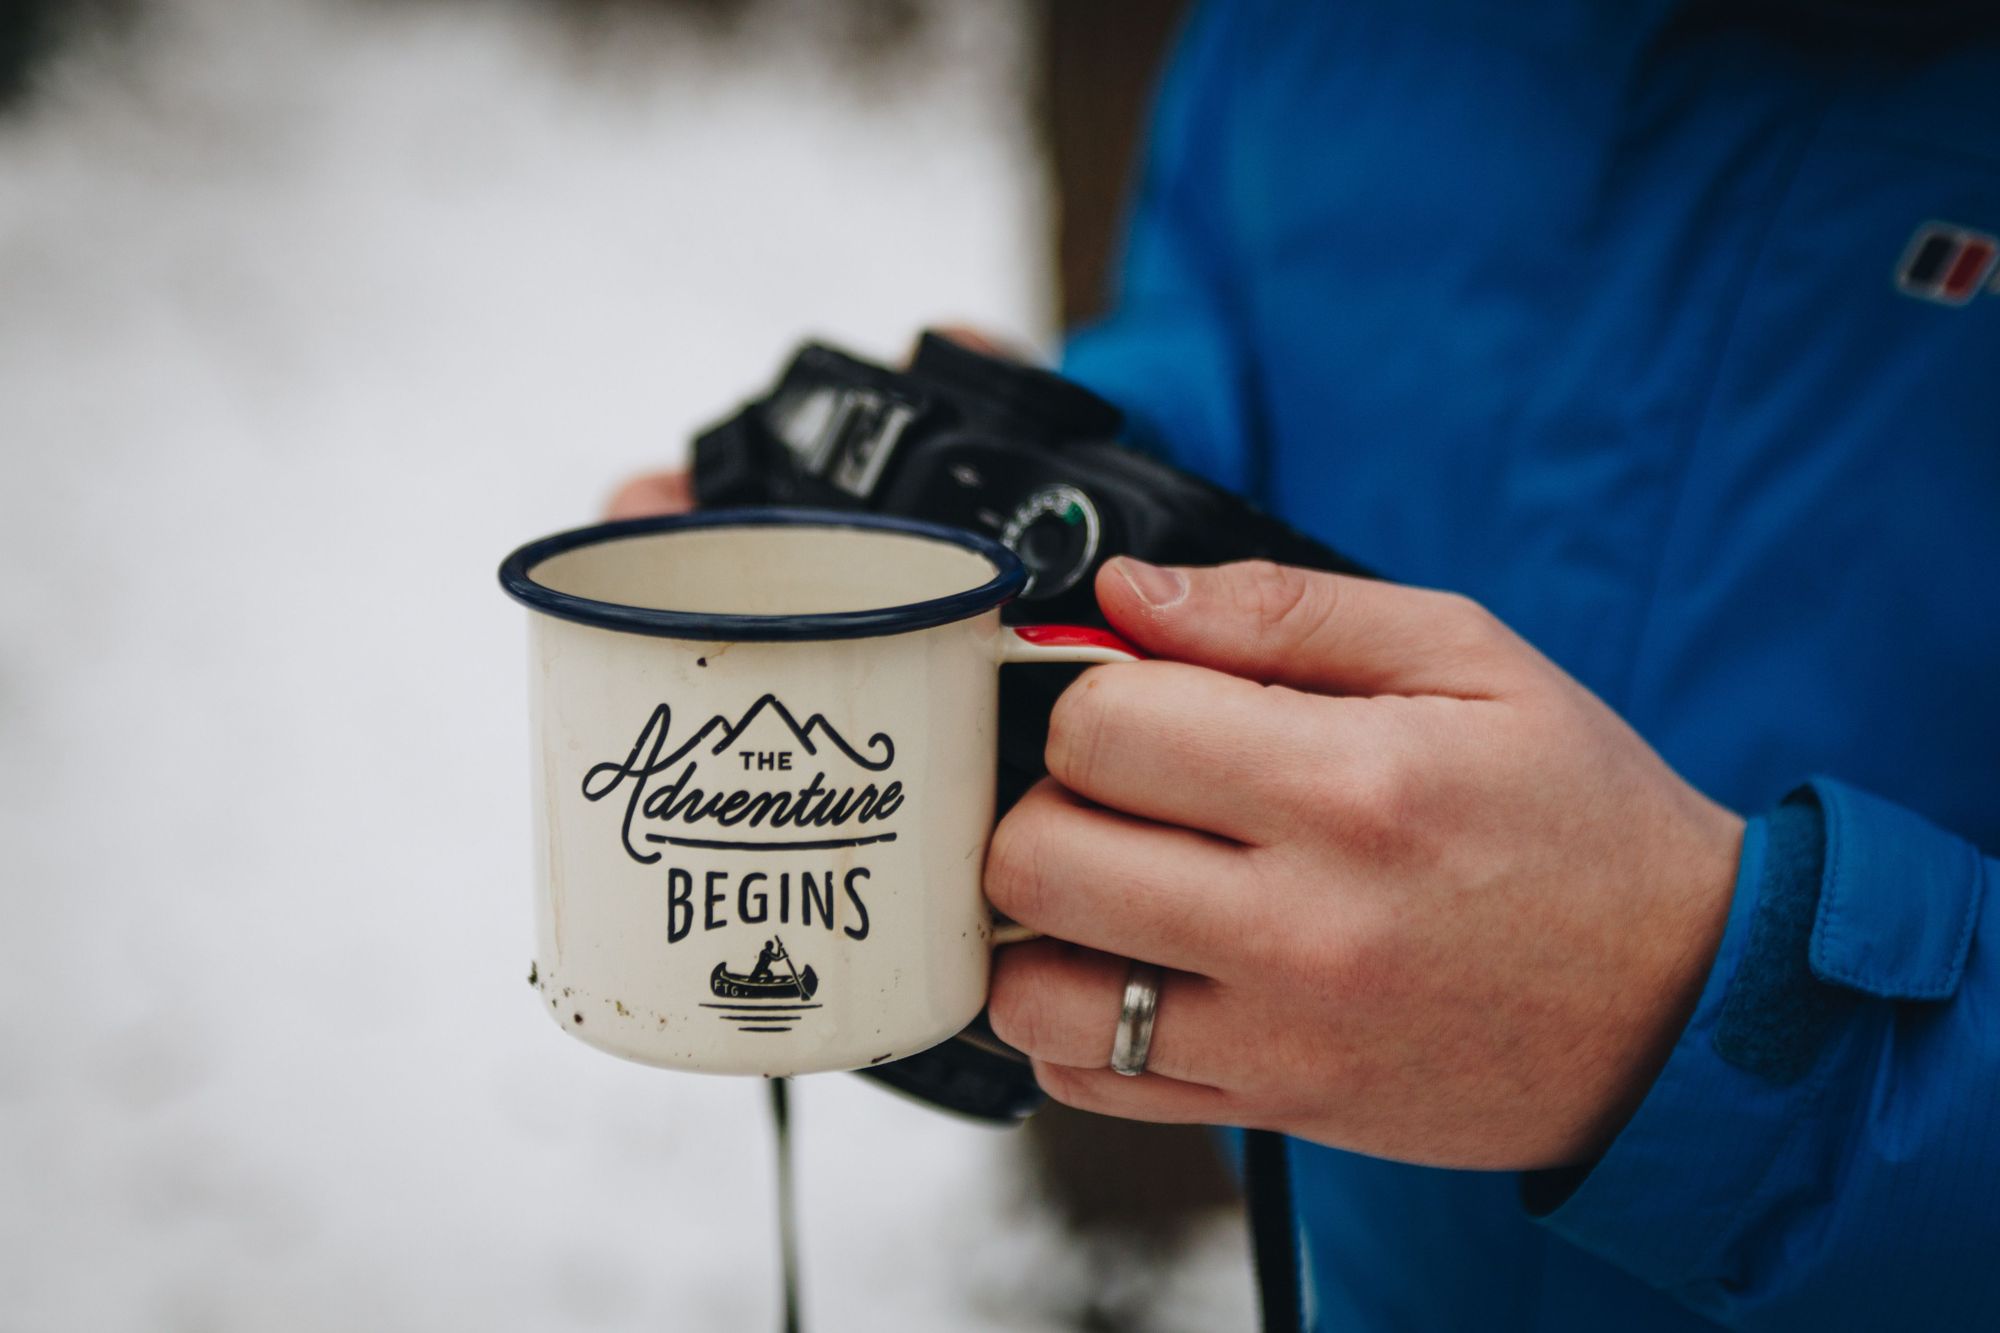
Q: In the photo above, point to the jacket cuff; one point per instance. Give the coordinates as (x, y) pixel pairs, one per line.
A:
(1899, 900)
(1719, 1132)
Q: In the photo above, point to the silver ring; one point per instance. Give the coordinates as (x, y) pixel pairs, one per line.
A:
(1135, 1020)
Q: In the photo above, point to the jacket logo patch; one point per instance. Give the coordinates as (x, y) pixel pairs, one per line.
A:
(1946, 263)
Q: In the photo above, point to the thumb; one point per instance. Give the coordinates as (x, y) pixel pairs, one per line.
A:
(1327, 633)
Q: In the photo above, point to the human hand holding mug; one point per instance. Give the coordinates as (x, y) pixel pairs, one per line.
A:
(765, 747)
(1419, 893)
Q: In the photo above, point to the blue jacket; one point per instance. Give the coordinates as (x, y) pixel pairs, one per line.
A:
(1669, 333)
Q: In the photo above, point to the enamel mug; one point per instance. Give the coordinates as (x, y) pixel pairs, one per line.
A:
(763, 781)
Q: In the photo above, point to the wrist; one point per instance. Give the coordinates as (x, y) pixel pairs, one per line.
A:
(1687, 937)
(1709, 947)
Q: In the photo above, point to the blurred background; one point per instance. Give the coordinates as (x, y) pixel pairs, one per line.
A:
(309, 311)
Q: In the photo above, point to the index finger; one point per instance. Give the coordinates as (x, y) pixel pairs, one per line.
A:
(1185, 745)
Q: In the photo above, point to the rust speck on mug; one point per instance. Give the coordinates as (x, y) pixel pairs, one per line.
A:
(534, 974)
(880, 1058)
(576, 1019)
(623, 1012)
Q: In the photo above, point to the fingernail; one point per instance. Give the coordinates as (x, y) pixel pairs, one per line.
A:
(1154, 586)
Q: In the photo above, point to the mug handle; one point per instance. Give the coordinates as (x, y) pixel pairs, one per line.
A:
(1055, 643)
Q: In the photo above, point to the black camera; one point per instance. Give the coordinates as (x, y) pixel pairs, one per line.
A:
(1015, 453)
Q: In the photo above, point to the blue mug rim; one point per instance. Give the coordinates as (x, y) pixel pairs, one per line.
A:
(517, 579)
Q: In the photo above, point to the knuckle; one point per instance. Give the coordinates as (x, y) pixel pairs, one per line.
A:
(1019, 1009)
(1378, 798)
(1289, 603)
(1014, 861)
(1471, 622)
(1363, 959)
(1384, 796)
(1079, 726)
(1069, 1086)
(1278, 593)
(1306, 780)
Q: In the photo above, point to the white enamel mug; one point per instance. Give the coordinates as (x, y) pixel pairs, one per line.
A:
(764, 761)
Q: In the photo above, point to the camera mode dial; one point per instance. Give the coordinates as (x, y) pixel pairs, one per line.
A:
(1056, 532)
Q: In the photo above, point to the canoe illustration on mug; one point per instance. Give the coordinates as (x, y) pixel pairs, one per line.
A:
(766, 980)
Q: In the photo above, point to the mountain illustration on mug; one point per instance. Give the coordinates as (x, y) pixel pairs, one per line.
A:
(663, 786)
(772, 996)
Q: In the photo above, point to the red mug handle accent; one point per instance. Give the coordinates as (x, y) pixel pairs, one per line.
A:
(1056, 643)
(1064, 643)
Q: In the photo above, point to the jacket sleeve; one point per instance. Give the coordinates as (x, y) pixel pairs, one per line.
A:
(1822, 1149)
(1170, 353)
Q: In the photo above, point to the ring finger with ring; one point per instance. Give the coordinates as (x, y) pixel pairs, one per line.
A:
(1061, 1004)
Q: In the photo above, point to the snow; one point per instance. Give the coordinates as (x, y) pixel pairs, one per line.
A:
(308, 313)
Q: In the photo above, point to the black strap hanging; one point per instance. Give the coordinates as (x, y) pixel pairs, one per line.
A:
(1267, 1190)
(1267, 1187)
(788, 1220)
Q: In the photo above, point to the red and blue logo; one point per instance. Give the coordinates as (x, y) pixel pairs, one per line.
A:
(1947, 263)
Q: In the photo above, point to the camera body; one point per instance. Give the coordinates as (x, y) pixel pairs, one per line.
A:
(1023, 456)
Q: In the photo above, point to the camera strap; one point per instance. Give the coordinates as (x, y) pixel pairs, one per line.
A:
(1267, 1188)
(1274, 1239)
(788, 1216)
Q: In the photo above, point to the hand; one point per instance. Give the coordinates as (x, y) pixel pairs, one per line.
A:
(670, 492)
(1423, 896)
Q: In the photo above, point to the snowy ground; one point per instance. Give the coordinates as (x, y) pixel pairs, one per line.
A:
(308, 312)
